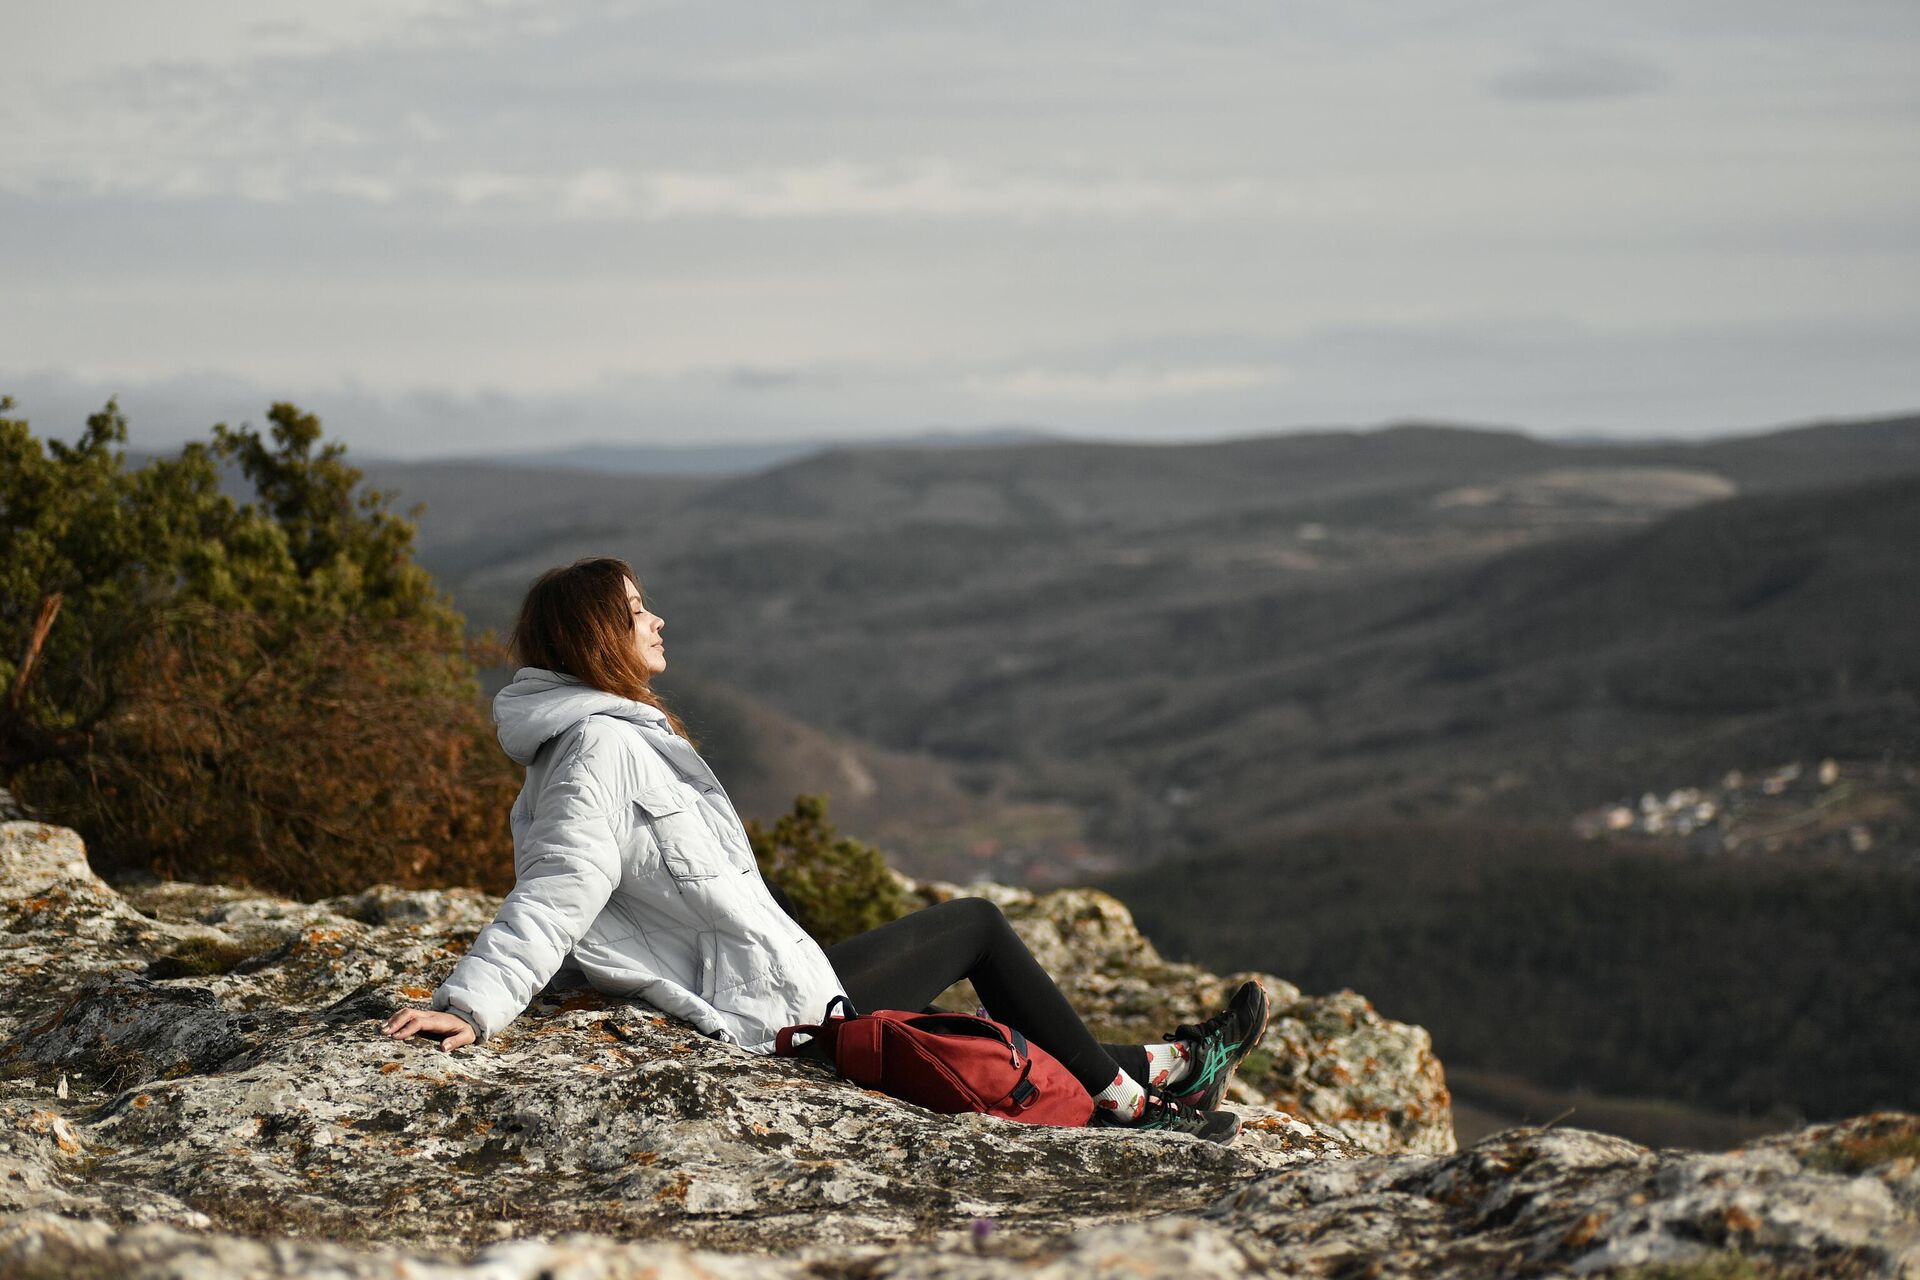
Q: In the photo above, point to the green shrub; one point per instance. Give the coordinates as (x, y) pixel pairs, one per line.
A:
(270, 693)
(838, 887)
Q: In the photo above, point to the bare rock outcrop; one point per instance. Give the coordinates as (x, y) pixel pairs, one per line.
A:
(192, 1083)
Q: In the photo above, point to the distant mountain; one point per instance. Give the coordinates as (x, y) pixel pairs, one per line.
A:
(1194, 702)
(1063, 482)
(729, 459)
(1192, 644)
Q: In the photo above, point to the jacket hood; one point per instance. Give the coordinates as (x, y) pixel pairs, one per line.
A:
(540, 704)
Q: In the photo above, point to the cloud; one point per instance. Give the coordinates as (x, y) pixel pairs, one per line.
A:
(1561, 74)
(1124, 384)
(934, 187)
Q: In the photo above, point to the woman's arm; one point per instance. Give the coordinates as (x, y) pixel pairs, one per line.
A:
(567, 867)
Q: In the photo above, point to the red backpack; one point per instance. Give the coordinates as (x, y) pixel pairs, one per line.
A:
(945, 1062)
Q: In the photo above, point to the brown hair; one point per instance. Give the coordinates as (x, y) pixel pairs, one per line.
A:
(576, 621)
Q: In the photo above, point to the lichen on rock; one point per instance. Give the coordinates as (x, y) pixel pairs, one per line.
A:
(250, 1119)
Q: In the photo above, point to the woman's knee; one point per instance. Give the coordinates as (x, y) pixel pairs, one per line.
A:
(979, 915)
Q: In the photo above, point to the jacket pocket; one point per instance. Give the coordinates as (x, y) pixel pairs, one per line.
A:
(730, 965)
(678, 833)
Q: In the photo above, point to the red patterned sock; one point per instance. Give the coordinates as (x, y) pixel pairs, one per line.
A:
(1124, 1098)
(1168, 1064)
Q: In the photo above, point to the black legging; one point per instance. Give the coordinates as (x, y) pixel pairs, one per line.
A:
(905, 964)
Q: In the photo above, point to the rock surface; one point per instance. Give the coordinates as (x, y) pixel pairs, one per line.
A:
(194, 1085)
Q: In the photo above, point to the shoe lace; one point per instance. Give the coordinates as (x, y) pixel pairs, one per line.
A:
(1198, 1034)
(1179, 1115)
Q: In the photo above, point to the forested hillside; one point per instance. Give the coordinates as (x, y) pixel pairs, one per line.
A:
(1735, 985)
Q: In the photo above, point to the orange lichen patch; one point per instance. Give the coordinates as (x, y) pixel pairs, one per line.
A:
(761, 1129)
(387, 1067)
(659, 1022)
(583, 1000)
(417, 993)
(1739, 1220)
(43, 1121)
(675, 1190)
(317, 934)
(644, 1157)
(1581, 1233)
(1879, 1142)
(591, 1066)
(142, 1100)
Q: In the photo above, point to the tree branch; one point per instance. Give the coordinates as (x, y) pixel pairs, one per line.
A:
(17, 693)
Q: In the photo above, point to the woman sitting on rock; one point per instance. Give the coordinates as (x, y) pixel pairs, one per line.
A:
(630, 861)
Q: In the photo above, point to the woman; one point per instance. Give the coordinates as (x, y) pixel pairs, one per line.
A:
(631, 865)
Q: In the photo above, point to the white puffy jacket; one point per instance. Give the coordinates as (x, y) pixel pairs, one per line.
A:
(631, 864)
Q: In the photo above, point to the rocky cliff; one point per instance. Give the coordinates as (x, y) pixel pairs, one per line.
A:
(195, 1085)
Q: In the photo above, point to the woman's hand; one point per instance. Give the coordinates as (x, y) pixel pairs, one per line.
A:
(406, 1022)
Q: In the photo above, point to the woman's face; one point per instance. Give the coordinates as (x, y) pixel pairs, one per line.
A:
(646, 632)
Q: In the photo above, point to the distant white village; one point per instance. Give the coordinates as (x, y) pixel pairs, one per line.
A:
(1830, 807)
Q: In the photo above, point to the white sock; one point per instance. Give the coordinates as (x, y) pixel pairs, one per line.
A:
(1168, 1064)
(1124, 1097)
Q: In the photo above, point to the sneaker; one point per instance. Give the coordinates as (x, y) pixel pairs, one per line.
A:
(1168, 1115)
(1218, 1045)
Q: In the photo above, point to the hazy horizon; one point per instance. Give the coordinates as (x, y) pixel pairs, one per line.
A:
(144, 438)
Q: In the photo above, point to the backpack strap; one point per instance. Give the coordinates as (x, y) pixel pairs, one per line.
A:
(1022, 1095)
(783, 1040)
(817, 1039)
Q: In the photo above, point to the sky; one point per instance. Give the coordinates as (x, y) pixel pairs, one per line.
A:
(459, 227)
